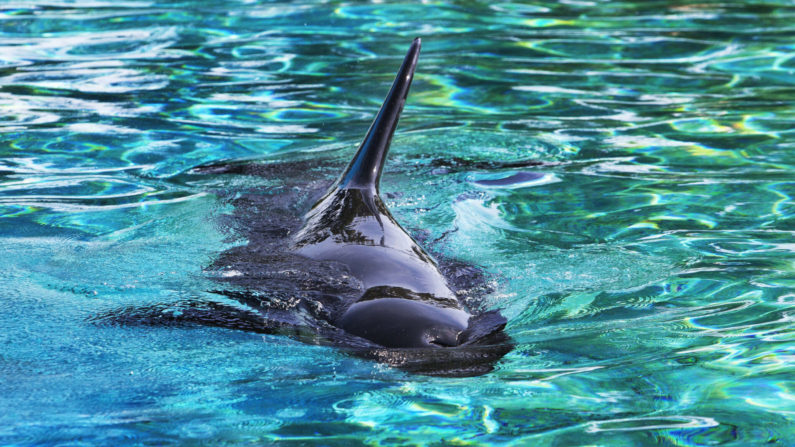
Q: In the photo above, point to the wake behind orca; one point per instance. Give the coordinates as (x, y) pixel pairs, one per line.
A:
(345, 273)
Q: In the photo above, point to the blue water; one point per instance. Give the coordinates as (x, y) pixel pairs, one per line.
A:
(647, 272)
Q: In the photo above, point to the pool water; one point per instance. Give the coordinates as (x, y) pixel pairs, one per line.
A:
(646, 265)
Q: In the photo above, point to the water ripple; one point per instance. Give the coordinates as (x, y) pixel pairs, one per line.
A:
(622, 171)
(652, 423)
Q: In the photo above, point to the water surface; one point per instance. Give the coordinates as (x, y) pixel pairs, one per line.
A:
(646, 265)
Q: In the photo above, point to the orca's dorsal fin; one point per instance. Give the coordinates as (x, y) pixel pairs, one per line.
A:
(364, 172)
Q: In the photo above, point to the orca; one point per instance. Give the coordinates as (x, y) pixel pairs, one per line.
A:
(345, 273)
(407, 302)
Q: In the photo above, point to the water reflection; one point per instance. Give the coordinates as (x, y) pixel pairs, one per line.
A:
(649, 287)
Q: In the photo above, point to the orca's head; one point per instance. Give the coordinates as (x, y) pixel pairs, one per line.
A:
(402, 323)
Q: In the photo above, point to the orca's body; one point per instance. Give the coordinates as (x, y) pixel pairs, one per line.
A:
(295, 274)
(406, 302)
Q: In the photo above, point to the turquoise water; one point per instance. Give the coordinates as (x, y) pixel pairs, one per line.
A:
(648, 276)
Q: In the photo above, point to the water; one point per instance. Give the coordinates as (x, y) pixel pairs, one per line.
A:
(645, 267)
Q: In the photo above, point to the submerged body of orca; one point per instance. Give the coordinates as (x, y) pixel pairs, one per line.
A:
(346, 274)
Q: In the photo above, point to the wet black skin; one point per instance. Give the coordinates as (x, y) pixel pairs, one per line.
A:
(347, 274)
(407, 302)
